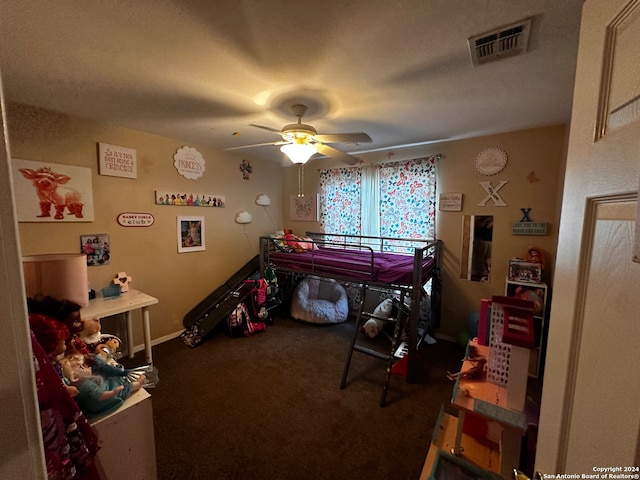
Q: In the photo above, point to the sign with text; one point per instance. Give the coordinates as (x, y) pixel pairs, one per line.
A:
(118, 161)
(189, 162)
(450, 202)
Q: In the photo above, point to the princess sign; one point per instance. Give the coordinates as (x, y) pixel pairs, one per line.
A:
(189, 162)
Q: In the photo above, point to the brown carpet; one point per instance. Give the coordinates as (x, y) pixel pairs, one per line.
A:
(270, 407)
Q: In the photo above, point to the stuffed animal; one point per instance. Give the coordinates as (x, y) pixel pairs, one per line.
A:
(382, 312)
(90, 334)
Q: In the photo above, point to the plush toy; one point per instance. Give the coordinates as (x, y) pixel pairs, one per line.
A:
(102, 388)
(382, 312)
(90, 333)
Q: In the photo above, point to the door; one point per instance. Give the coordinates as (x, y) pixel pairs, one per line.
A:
(590, 415)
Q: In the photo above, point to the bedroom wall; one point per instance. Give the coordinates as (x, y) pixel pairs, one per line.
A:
(541, 151)
(149, 255)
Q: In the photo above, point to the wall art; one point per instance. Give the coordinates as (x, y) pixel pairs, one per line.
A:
(50, 192)
(118, 161)
(305, 208)
(97, 248)
(189, 199)
(190, 234)
(450, 202)
(135, 219)
(189, 162)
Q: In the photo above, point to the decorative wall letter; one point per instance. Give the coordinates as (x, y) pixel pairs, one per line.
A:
(492, 194)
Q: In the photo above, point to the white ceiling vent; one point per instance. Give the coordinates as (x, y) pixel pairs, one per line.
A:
(503, 42)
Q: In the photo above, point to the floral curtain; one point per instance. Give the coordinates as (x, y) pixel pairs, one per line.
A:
(340, 200)
(408, 199)
(395, 200)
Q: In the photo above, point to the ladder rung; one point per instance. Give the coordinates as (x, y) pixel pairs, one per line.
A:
(371, 351)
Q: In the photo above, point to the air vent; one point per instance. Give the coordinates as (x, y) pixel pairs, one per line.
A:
(503, 42)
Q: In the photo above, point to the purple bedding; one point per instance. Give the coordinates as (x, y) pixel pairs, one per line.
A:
(387, 268)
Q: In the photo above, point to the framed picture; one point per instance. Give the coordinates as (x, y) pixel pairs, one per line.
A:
(50, 192)
(305, 208)
(523, 271)
(97, 248)
(190, 234)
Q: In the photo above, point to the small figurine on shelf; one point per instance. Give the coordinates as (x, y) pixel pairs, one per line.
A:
(475, 372)
(535, 254)
(123, 280)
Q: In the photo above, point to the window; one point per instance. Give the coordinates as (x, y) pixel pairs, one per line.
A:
(391, 200)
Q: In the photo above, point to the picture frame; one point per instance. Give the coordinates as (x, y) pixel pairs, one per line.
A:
(97, 248)
(523, 271)
(73, 203)
(191, 234)
(305, 209)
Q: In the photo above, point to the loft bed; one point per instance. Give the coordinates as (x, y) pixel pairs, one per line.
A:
(403, 266)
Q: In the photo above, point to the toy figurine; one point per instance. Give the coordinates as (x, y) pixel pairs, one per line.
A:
(108, 348)
(476, 371)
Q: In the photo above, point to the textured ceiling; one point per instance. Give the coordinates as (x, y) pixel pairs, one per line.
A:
(203, 71)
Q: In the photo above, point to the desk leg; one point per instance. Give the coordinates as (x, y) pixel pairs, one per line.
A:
(130, 345)
(147, 334)
(457, 448)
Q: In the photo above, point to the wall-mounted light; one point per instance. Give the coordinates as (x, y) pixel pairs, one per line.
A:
(243, 217)
(263, 199)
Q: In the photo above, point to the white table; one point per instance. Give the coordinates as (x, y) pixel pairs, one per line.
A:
(101, 307)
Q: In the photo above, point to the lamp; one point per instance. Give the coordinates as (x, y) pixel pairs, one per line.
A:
(243, 217)
(263, 199)
(62, 276)
(299, 152)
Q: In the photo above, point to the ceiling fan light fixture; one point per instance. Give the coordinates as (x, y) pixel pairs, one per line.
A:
(299, 152)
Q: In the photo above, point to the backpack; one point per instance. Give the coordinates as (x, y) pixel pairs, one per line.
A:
(241, 324)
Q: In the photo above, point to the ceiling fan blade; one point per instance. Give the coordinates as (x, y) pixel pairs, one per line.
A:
(344, 138)
(255, 145)
(336, 154)
(265, 128)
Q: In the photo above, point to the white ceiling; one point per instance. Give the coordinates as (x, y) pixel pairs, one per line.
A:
(202, 71)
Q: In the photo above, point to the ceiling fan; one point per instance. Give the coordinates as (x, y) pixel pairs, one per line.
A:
(300, 141)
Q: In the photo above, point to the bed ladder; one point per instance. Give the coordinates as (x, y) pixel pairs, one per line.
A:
(390, 356)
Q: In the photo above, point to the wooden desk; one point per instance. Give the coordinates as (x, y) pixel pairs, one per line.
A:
(101, 307)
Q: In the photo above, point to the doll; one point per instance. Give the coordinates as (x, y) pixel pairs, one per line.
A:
(108, 348)
(52, 336)
(102, 388)
(64, 311)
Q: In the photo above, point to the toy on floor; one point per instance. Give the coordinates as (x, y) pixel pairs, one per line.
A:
(380, 316)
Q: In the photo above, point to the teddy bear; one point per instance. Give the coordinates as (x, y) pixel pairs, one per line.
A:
(90, 333)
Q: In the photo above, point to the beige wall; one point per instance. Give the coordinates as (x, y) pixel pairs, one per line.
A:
(541, 151)
(149, 255)
(180, 281)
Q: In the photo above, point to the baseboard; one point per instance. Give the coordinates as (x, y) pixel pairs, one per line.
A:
(158, 341)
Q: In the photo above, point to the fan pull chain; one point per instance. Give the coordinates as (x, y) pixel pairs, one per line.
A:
(300, 180)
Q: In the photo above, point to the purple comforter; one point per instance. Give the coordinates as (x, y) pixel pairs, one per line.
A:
(379, 267)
